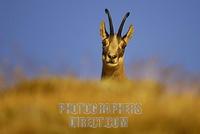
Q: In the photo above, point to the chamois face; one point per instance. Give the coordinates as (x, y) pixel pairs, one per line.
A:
(114, 44)
(113, 51)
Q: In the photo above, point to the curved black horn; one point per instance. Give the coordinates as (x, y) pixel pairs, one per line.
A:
(110, 22)
(122, 24)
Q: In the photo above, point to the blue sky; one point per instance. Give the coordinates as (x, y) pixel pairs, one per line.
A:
(62, 36)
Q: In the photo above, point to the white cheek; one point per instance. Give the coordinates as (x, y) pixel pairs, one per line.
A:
(121, 59)
(103, 57)
(107, 59)
(116, 60)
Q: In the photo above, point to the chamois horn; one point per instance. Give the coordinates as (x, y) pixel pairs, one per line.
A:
(122, 24)
(110, 22)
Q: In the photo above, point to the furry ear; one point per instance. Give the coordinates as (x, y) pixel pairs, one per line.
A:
(129, 34)
(103, 31)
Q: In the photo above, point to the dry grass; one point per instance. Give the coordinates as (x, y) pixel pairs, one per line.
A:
(30, 106)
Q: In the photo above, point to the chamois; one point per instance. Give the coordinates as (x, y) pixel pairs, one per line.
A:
(113, 49)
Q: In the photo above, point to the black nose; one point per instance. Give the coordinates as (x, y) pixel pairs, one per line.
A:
(112, 56)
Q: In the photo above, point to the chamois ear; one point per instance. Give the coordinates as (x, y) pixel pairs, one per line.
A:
(129, 34)
(103, 31)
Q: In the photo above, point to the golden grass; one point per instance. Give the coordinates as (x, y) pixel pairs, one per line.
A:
(30, 106)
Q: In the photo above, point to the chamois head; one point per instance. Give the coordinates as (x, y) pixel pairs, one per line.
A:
(114, 44)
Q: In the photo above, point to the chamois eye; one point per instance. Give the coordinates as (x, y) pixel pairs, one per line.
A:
(123, 44)
(123, 47)
(105, 42)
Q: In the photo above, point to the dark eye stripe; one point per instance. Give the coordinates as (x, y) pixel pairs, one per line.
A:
(104, 43)
(121, 52)
(105, 49)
